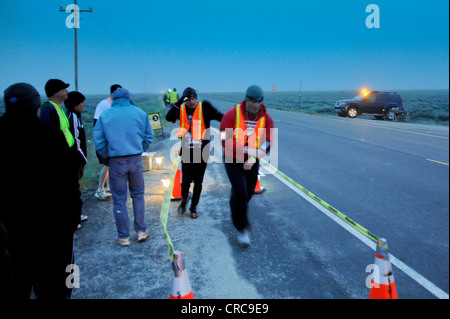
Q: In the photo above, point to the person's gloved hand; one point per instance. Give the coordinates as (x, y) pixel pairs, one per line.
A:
(258, 153)
(181, 101)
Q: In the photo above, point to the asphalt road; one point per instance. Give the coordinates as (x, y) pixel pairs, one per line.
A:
(392, 178)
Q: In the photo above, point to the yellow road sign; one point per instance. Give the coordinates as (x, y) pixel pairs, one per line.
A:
(155, 121)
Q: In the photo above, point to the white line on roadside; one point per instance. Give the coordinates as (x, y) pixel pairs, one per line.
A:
(432, 288)
(436, 291)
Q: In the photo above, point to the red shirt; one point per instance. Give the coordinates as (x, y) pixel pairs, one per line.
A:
(228, 122)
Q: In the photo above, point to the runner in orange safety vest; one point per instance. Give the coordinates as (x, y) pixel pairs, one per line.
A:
(194, 118)
(245, 134)
(198, 124)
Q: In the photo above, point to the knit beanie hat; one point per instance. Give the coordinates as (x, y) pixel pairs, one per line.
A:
(189, 92)
(21, 98)
(254, 93)
(73, 99)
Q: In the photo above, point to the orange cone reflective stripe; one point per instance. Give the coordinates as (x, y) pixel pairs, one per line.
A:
(383, 284)
(181, 287)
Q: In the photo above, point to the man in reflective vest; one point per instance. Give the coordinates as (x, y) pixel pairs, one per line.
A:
(173, 96)
(245, 134)
(51, 112)
(166, 99)
(194, 118)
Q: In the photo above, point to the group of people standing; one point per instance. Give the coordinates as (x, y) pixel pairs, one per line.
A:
(40, 214)
(43, 156)
(42, 210)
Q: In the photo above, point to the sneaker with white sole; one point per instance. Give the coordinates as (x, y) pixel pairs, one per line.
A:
(101, 195)
(142, 236)
(124, 242)
(243, 239)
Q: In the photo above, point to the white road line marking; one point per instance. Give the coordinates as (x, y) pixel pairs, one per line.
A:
(428, 285)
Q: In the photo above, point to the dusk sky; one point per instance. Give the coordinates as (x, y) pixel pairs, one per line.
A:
(225, 46)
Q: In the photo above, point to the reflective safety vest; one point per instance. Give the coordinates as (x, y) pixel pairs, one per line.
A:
(240, 130)
(173, 97)
(198, 125)
(64, 123)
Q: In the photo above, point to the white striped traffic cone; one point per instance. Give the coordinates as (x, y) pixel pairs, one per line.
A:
(383, 284)
(181, 287)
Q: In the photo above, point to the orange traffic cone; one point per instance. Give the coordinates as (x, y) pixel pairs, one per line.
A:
(176, 191)
(258, 188)
(383, 284)
(181, 288)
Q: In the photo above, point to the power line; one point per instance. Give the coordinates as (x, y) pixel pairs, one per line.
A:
(100, 22)
(76, 13)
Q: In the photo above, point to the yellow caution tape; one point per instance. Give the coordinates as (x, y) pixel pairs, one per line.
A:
(349, 221)
(166, 205)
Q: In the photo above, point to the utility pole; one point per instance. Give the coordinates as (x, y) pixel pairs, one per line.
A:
(75, 26)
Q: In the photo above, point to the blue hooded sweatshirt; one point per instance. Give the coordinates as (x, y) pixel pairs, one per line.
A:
(123, 129)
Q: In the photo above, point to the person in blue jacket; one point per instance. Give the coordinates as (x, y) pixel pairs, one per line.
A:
(122, 133)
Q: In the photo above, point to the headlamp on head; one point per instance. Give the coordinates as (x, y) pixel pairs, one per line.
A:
(254, 98)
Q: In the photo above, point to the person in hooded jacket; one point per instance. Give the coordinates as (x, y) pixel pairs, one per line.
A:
(122, 133)
(75, 104)
(40, 221)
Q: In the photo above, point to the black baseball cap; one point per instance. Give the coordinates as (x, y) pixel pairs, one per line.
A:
(53, 86)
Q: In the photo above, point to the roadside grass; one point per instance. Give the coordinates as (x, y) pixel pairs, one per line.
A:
(149, 103)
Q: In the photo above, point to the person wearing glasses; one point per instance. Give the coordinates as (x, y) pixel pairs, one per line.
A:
(194, 118)
(245, 133)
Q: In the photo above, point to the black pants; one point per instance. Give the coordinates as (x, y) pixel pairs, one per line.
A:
(243, 185)
(192, 172)
(41, 270)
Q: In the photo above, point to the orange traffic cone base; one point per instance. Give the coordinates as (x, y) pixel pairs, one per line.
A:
(383, 291)
(258, 188)
(188, 296)
(176, 191)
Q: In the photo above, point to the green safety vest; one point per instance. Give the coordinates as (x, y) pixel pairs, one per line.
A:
(64, 123)
(173, 97)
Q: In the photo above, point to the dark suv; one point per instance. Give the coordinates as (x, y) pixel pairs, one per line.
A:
(381, 104)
